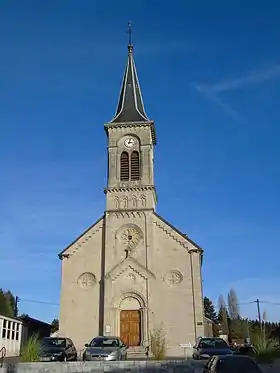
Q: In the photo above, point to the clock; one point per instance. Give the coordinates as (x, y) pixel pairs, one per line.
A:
(130, 237)
(129, 143)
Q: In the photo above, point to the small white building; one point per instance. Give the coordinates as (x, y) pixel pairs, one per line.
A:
(11, 335)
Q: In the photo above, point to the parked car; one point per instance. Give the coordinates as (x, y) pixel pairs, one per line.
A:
(231, 364)
(207, 347)
(105, 348)
(244, 350)
(57, 349)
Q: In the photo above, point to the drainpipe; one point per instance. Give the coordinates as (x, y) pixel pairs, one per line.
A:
(102, 280)
(193, 297)
(147, 283)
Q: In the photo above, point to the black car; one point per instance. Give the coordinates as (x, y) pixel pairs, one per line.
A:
(57, 349)
(207, 347)
(231, 364)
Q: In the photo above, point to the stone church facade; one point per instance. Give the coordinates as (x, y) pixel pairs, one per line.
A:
(132, 272)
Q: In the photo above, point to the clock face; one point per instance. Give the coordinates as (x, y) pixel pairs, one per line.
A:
(129, 143)
(130, 237)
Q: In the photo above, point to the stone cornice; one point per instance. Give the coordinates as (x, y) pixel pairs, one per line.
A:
(136, 188)
(133, 125)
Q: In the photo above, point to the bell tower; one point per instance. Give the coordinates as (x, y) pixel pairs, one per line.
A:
(131, 140)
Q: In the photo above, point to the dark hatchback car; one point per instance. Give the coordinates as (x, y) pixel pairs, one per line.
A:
(207, 347)
(231, 364)
(57, 349)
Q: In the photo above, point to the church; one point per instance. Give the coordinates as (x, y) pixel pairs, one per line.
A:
(132, 272)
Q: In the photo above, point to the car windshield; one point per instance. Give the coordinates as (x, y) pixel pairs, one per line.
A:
(104, 342)
(54, 342)
(212, 343)
(235, 364)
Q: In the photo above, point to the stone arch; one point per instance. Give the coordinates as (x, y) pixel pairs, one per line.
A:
(125, 202)
(134, 201)
(143, 200)
(135, 295)
(117, 202)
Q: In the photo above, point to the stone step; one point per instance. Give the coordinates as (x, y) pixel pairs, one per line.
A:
(136, 351)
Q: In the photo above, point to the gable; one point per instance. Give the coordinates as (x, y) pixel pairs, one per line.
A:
(129, 264)
(175, 233)
(83, 238)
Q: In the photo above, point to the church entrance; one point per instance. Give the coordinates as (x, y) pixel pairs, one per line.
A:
(130, 327)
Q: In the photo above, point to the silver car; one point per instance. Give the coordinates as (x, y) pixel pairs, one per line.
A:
(105, 348)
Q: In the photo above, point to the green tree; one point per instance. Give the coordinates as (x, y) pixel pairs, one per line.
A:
(55, 325)
(210, 313)
(209, 309)
(5, 304)
(11, 302)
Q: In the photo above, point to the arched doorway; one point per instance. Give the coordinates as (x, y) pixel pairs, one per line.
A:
(131, 321)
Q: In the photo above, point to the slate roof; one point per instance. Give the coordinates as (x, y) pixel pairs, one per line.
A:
(130, 105)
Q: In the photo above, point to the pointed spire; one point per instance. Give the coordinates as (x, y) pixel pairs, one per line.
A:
(130, 105)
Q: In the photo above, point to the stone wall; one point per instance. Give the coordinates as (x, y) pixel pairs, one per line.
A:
(170, 366)
(181, 366)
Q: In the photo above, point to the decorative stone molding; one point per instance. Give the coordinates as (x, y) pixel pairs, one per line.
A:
(142, 200)
(86, 280)
(129, 265)
(134, 202)
(85, 238)
(127, 214)
(129, 235)
(122, 128)
(129, 188)
(130, 268)
(130, 278)
(173, 277)
(170, 233)
(124, 202)
(117, 202)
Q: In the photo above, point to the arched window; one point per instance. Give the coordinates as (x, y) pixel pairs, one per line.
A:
(124, 166)
(134, 166)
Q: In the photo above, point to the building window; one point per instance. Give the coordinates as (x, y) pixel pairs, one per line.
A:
(17, 331)
(4, 330)
(134, 166)
(124, 166)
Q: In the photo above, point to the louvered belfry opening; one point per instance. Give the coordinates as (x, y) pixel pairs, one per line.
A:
(124, 166)
(134, 166)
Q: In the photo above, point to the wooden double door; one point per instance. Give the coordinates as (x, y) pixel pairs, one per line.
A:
(130, 327)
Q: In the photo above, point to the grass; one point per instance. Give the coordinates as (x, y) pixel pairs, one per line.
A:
(158, 344)
(266, 350)
(31, 350)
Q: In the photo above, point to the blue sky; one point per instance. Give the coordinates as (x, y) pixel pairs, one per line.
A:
(210, 77)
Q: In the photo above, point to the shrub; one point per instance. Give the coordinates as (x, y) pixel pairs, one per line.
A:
(158, 343)
(31, 350)
(266, 350)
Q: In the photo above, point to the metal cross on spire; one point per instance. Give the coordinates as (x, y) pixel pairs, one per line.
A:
(129, 31)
